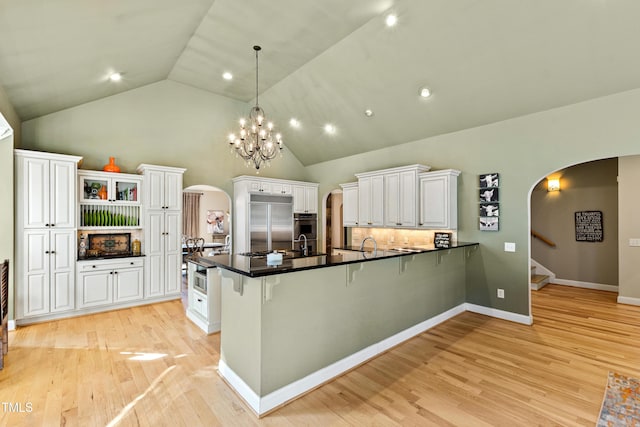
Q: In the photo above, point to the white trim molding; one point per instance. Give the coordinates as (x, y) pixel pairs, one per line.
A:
(586, 285)
(11, 325)
(628, 300)
(499, 314)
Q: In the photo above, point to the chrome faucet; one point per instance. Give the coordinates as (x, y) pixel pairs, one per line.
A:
(303, 247)
(375, 245)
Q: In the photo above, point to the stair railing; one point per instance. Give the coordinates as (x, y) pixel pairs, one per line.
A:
(540, 237)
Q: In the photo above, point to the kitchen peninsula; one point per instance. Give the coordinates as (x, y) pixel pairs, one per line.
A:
(289, 328)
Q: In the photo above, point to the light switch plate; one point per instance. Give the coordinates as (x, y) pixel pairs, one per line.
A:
(509, 247)
(634, 242)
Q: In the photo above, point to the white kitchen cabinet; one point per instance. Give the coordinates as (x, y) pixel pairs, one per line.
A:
(119, 209)
(305, 198)
(350, 204)
(49, 268)
(371, 200)
(163, 187)
(439, 199)
(401, 196)
(204, 305)
(48, 196)
(162, 230)
(45, 233)
(120, 188)
(109, 281)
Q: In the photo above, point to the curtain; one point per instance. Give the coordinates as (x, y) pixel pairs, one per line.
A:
(191, 214)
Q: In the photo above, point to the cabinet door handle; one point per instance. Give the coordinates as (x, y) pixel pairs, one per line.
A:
(93, 266)
(46, 252)
(53, 225)
(115, 272)
(199, 300)
(111, 272)
(47, 225)
(53, 252)
(131, 263)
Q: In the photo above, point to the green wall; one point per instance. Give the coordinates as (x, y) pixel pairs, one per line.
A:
(6, 189)
(523, 151)
(164, 123)
(169, 123)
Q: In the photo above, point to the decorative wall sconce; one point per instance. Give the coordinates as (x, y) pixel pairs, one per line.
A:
(553, 184)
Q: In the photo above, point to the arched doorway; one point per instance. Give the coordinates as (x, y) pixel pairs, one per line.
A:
(211, 219)
(574, 235)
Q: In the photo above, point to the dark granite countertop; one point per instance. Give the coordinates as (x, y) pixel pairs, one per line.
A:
(257, 267)
(101, 257)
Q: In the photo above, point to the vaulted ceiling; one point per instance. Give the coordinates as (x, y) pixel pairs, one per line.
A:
(327, 61)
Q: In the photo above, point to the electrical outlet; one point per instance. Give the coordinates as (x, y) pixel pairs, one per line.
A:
(634, 242)
(500, 293)
(509, 247)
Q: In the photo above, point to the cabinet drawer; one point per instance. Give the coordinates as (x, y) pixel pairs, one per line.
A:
(109, 264)
(199, 304)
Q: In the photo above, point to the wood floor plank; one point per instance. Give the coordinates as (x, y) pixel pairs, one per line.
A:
(150, 366)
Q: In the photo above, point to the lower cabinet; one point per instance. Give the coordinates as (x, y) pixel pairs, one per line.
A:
(203, 297)
(102, 282)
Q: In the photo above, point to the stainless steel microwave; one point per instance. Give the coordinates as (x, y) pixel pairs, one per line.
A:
(200, 281)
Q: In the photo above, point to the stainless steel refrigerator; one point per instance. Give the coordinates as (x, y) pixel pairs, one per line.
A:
(271, 222)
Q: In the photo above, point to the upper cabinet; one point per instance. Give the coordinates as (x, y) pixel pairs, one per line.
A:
(49, 183)
(371, 200)
(389, 198)
(400, 196)
(439, 199)
(163, 187)
(305, 194)
(350, 204)
(108, 187)
(305, 198)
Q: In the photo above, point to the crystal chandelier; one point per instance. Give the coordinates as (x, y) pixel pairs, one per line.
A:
(257, 142)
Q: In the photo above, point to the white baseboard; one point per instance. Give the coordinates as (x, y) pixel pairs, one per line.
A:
(586, 285)
(500, 314)
(203, 324)
(628, 300)
(262, 405)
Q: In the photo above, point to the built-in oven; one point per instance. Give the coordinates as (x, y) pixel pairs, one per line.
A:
(200, 281)
(305, 223)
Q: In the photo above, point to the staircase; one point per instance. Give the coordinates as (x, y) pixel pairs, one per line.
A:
(538, 281)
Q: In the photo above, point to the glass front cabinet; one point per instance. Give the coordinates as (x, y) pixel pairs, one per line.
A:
(109, 199)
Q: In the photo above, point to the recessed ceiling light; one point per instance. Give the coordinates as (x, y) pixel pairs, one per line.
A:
(368, 112)
(115, 77)
(329, 128)
(391, 20)
(227, 75)
(295, 123)
(425, 92)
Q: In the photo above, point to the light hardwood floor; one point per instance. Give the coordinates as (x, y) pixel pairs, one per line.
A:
(150, 366)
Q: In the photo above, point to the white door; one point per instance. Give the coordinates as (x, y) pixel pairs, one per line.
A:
(173, 253)
(350, 205)
(408, 195)
(33, 293)
(62, 267)
(154, 181)
(95, 288)
(62, 190)
(377, 200)
(173, 191)
(127, 284)
(392, 200)
(35, 193)
(434, 207)
(154, 254)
